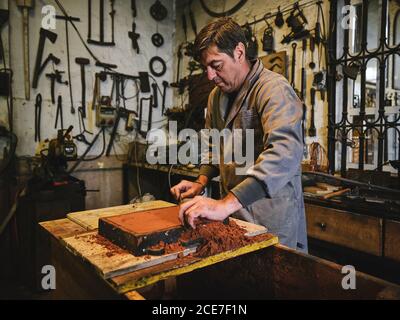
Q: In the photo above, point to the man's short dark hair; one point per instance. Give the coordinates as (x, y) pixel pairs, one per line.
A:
(224, 33)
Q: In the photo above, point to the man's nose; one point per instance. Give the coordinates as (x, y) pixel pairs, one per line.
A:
(210, 73)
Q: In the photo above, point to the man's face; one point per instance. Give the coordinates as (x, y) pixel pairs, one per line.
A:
(225, 71)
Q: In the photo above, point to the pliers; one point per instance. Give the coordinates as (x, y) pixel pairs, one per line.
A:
(59, 113)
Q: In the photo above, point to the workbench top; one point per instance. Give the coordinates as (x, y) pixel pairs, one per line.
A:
(65, 236)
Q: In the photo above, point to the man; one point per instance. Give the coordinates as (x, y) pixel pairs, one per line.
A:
(248, 96)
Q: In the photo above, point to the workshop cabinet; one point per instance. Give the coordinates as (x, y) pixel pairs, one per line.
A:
(351, 230)
(392, 240)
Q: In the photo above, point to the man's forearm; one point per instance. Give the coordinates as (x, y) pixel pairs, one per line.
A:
(231, 203)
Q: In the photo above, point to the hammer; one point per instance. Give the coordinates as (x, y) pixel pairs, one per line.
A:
(82, 62)
(25, 5)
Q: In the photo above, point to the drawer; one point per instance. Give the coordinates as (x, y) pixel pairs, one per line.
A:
(392, 240)
(355, 231)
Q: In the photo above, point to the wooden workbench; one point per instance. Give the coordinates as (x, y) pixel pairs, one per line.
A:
(258, 271)
(112, 274)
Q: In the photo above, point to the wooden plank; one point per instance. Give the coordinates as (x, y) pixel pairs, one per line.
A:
(392, 240)
(143, 278)
(134, 295)
(62, 228)
(327, 186)
(316, 190)
(355, 231)
(109, 262)
(89, 219)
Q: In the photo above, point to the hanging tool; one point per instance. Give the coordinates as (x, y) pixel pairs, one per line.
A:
(158, 11)
(155, 95)
(149, 116)
(59, 113)
(296, 21)
(38, 113)
(293, 70)
(56, 76)
(312, 48)
(101, 41)
(67, 19)
(133, 7)
(165, 86)
(268, 38)
(157, 39)
(279, 18)
(44, 34)
(25, 6)
(303, 94)
(134, 37)
(82, 63)
(311, 130)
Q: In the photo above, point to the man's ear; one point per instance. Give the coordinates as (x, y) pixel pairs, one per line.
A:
(240, 52)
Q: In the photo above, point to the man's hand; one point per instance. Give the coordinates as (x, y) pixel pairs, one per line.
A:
(202, 207)
(186, 189)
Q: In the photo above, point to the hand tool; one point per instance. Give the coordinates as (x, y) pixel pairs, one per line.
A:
(155, 94)
(279, 18)
(158, 11)
(312, 48)
(133, 7)
(101, 41)
(56, 76)
(82, 63)
(149, 116)
(157, 39)
(25, 6)
(165, 85)
(59, 113)
(38, 112)
(303, 95)
(311, 130)
(44, 34)
(134, 37)
(293, 70)
(67, 19)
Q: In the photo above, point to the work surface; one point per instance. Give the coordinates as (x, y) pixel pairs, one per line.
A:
(119, 269)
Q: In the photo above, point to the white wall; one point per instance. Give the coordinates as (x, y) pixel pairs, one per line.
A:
(256, 9)
(122, 54)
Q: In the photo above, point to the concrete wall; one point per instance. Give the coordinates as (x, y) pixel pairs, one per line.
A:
(103, 174)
